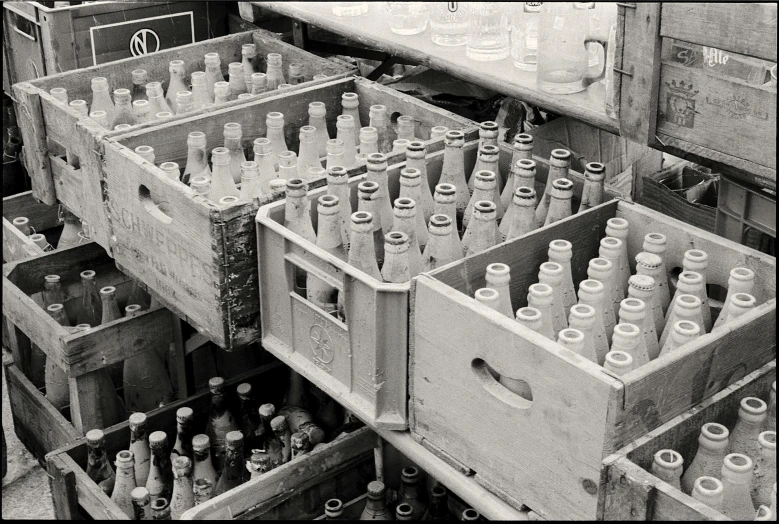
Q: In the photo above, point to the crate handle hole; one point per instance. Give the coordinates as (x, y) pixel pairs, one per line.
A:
(157, 209)
(520, 395)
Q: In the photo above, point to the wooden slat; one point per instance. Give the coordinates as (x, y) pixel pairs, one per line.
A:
(748, 29)
(30, 118)
(91, 497)
(62, 482)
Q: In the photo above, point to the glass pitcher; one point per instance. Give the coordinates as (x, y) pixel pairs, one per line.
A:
(448, 23)
(524, 34)
(563, 59)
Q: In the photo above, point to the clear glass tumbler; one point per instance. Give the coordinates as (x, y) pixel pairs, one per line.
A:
(524, 35)
(407, 18)
(350, 8)
(448, 23)
(488, 31)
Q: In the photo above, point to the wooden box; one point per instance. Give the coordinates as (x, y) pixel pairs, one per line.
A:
(202, 260)
(78, 353)
(546, 453)
(629, 491)
(45, 40)
(50, 128)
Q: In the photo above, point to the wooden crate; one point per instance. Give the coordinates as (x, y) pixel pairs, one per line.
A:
(546, 454)
(365, 366)
(629, 491)
(45, 40)
(712, 113)
(79, 354)
(201, 260)
(50, 127)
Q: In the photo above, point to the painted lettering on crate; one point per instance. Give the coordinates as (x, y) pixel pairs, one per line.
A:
(737, 107)
(680, 104)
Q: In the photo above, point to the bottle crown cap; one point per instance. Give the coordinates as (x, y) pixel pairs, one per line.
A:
(158, 440)
(267, 410)
(376, 489)
(649, 260)
(279, 424)
(216, 384)
(140, 495)
(201, 442)
(244, 389)
(95, 437)
(234, 439)
(642, 282)
(184, 415)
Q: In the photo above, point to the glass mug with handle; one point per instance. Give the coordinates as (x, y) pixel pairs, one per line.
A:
(563, 59)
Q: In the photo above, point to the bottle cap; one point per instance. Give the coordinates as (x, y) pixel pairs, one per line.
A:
(184, 415)
(140, 495)
(182, 466)
(267, 410)
(642, 282)
(376, 489)
(279, 424)
(216, 385)
(244, 390)
(95, 437)
(234, 440)
(201, 442)
(648, 260)
(158, 440)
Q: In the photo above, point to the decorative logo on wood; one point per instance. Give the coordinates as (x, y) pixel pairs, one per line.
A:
(680, 103)
(320, 344)
(143, 42)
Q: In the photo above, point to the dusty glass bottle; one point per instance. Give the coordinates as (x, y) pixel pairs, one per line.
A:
(618, 362)
(617, 227)
(203, 466)
(685, 307)
(334, 509)
(272, 444)
(101, 99)
(560, 252)
(611, 249)
(200, 95)
(377, 172)
(259, 83)
(335, 153)
(634, 311)
(350, 103)
(376, 503)
(182, 497)
(184, 433)
(235, 75)
(582, 318)
(157, 98)
(345, 131)
(559, 163)
(765, 469)
(713, 443)
(98, 467)
(141, 503)
(221, 93)
(740, 303)
(366, 202)
(369, 140)
(232, 141)
(147, 384)
(274, 122)
(626, 338)
(551, 274)
(263, 155)
(123, 106)
(410, 187)
(362, 253)
(160, 481)
(197, 159)
(539, 297)
(142, 111)
(139, 78)
(297, 216)
(232, 474)
(259, 464)
(520, 220)
(213, 72)
(740, 280)
(498, 277)
(642, 287)
(396, 267)
(571, 339)
(409, 490)
(744, 437)
(250, 422)
(316, 118)
(307, 153)
(487, 160)
(736, 482)
(667, 466)
(523, 174)
(484, 189)
(222, 182)
(378, 119)
(139, 445)
(220, 421)
(125, 482)
(688, 283)
(698, 261)
(338, 186)
(488, 297)
(453, 171)
(283, 434)
(405, 220)
(656, 243)
(274, 72)
(299, 444)
(482, 233)
(592, 193)
(177, 71)
(592, 293)
(438, 251)
(709, 490)
(90, 309)
(560, 203)
(445, 204)
(185, 102)
(415, 158)
(602, 270)
(439, 505)
(288, 165)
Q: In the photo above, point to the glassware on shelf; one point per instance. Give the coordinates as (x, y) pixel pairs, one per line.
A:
(448, 23)
(407, 18)
(524, 20)
(602, 15)
(488, 32)
(350, 8)
(563, 60)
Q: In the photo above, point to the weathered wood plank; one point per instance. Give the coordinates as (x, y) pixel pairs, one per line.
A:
(30, 118)
(62, 482)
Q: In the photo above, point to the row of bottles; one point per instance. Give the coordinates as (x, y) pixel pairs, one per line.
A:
(231, 176)
(238, 442)
(147, 101)
(618, 320)
(74, 231)
(734, 471)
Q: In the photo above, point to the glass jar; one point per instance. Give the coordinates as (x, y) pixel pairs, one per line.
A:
(350, 8)
(524, 35)
(448, 23)
(488, 32)
(407, 18)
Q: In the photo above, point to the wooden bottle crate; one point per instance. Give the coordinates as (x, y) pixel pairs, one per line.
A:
(629, 491)
(580, 413)
(363, 364)
(49, 127)
(78, 353)
(201, 259)
(746, 214)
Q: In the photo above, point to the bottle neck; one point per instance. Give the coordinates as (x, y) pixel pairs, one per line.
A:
(376, 505)
(218, 405)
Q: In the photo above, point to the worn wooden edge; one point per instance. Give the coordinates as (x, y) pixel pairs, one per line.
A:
(17, 245)
(62, 483)
(32, 127)
(90, 496)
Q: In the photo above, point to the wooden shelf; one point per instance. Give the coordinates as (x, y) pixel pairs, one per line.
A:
(372, 30)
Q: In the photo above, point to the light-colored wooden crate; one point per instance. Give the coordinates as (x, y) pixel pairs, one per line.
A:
(547, 454)
(80, 354)
(629, 491)
(50, 127)
(201, 259)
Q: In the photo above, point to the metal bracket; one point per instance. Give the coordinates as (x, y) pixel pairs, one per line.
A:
(622, 72)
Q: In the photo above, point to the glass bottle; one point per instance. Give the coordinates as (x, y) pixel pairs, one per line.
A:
(272, 445)
(592, 293)
(690, 283)
(498, 278)
(448, 23)
(139, 445)
(222, 183)
(741, 280)
(157, 98)
(744, 437)
(765, 469)
(280, 428)
(220, 421)
(770, 421)
(618, 228)
(171, 170)
(250, 182)
(345, 127)
(184, 434)
(263, 155)
(80, 106)
(667, 466)
(232, 141)
(551, 274)
(160, 509)
(642, 287)
(377, 172)
(524, 35)
(453, 171)
(146, 153)
(334, 509)
(221, 93)
(328, 238)
(626, 338)
(259, 83)
(483, 232)
(539, 297)
(736, 481)
(396, 267)
(415, 158)
(488, 32)
(686, 307)
(582, 318)
(362, 253)
(618, 362)
(438, 251)
(484, 189)
(297, 217)
(182, 497)
(405, 220)
(709, 490)
(740, 303)
(141, 503)
(560, 204)
(185, 102)
(259, 464)
(60, 93)
(611, 249)
(140, 78)
(316, 118)
(488, 297)
(602, 270)
(98, 467)
(274, 121)
(409, 490)
(101, 99)
(175, 84)
(236, 80)
(197, 158)
(204, 467)
(299, 444)
(369, 140)
(522, 174)
(213, 72)
(439, 505)
(232, 474)
(634, 311)
(521, 219)
(90, 309)
(376, 503)
(559, 163)
(142, 111)
(656, 243)
(274, 72)
(378, 119)
(560, 252)
(52, 291)
(713, 445)
(203, 490)
(308, 156)
(41, 242)
(366, 201)
(201, 185)
(55, 378)
(123, 113)
(296, 75)
(200, 95)
(407, 18)
(410, 187)
(445, 204)
(70, 232)
(337, 185)
(288, 165)
(487, 160)
(125, 482)
(335, 153)
(101, 117)
(23, 225)
(698, 261)
(350, 105)
(160, 480)
(250, 423)
(571, 339)
(592, 194)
